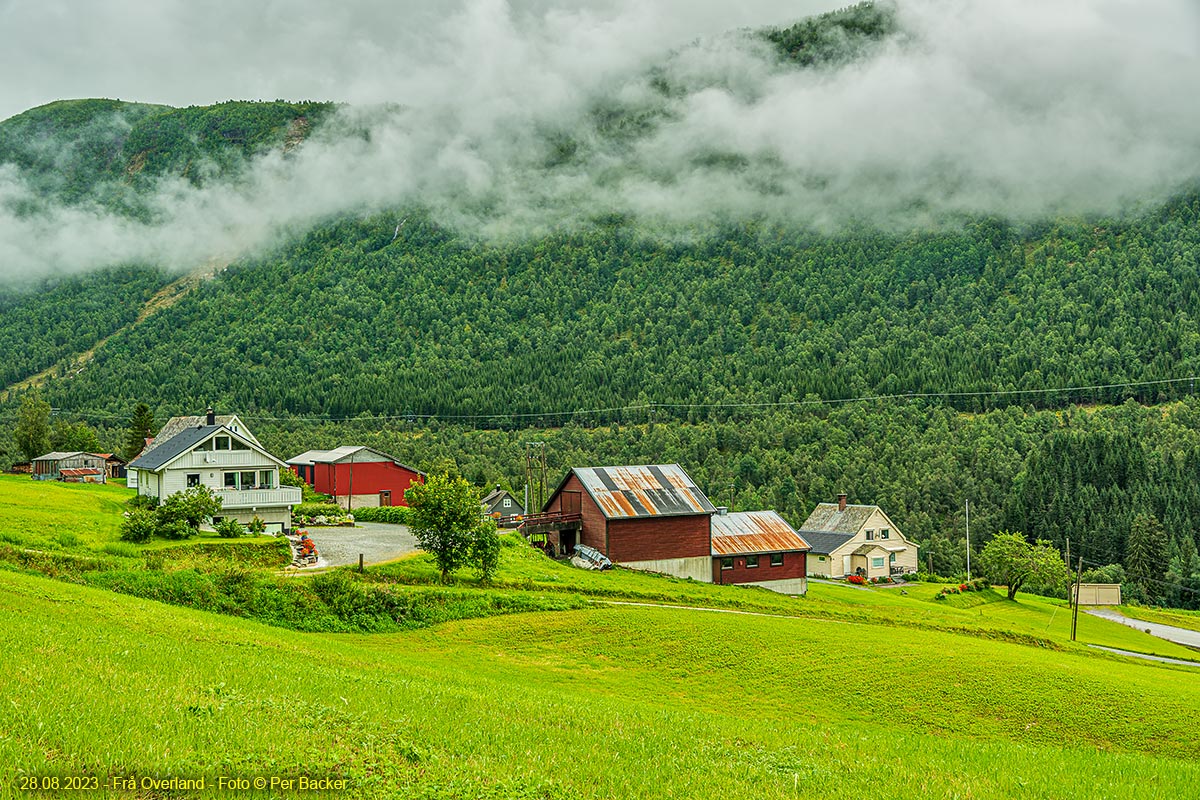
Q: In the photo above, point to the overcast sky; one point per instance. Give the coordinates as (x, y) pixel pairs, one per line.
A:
(1025, 109)
(185, 52)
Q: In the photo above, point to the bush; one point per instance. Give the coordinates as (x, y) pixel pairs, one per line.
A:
(176, 529)
(230, 528)
(256, 527)
(143, 501)
(139, 526)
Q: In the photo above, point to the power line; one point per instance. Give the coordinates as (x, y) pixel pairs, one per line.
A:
(568, 414)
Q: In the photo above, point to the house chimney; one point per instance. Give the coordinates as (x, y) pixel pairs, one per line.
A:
(722, 511)
(211, 419)
(841, 502)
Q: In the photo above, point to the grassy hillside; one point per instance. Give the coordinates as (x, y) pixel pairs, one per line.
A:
(608, 703)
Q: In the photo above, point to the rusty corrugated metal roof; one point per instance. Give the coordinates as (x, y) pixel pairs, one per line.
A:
(643, 491)
(747, 532)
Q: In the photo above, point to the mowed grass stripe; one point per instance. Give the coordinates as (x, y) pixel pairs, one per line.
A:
(615, 702)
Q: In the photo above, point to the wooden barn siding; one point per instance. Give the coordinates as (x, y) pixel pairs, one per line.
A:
(651, 538)
(795, 565)
(593, 533)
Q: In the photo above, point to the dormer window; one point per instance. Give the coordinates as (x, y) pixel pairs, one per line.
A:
(222, 443)
(870, 536)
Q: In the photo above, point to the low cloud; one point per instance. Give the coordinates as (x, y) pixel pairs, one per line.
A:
(516, 120)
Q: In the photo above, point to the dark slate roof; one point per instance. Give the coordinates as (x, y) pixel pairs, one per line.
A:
(825, 542)
(176, 425)
(643, 491)
(492, 500)
(827, 517)
(179, 443)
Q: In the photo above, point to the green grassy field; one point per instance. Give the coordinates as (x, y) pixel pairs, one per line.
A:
(1031, 618)
(613, 702)
(1165, 616)
(53, 515)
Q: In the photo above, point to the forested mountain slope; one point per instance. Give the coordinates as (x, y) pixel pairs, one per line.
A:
(728, 343)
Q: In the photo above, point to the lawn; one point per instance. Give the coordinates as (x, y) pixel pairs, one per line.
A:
(1180, 618)
(1030, 618)
(608, 702)
(51, 515)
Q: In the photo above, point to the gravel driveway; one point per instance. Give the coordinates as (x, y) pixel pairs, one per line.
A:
(375, 540)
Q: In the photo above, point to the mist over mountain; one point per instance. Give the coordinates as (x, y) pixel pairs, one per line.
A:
(519, 121)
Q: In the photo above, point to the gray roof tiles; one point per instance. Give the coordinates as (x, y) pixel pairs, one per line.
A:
(179, 443)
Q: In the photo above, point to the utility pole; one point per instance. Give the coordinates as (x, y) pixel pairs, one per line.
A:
(1075, 615)
(535, 471)
(968, 507)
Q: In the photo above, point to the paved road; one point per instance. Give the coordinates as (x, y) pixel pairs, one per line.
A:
(1169, 632)
(1145, 656)
(375, 540)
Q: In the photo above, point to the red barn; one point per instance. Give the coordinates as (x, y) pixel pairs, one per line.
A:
(759, 547)
(356, 476)
(645, 517)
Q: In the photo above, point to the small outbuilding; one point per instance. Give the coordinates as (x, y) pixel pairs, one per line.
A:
(74, 467)
(758, 547)
(1098, 594)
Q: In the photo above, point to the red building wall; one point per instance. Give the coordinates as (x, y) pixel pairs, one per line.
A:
(370, 477)
(594, 523)
(652, 538)
(795, 565)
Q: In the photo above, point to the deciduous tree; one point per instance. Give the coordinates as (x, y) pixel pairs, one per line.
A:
(448, 524)
(1013, 562)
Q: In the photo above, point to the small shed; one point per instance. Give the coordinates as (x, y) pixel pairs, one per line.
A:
(74, 467)
(1099, 594)
(114, 465)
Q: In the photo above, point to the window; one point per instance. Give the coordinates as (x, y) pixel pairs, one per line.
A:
(877, 562)
(193, 479)
(870, 536)
(247, 480)
(266, 479)
(222, 443)
(236, 445)
(751, 562)
(727, 563)
(820, 558)
(231, 480)
(776, 559)
(508, 502)
(892, 558)
(203, 447)
(883, 533)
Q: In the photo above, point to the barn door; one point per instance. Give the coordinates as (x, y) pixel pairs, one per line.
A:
(571, 502)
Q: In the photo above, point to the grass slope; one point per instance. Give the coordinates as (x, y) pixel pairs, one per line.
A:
(617, 702)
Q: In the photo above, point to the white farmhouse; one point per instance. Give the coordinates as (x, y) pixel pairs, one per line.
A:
(231, 463)
(849, 539)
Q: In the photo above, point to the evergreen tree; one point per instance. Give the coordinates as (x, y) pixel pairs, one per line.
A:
(69, 437)
(1147, 558)
(32, 433)
(141, 428)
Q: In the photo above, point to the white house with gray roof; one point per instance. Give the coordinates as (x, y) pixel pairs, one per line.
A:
(849, 539)
(176, 425)
(231, 463)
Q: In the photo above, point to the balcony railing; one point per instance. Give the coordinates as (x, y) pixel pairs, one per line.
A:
(259, 498)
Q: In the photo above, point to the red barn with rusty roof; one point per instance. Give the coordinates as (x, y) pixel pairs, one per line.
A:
(650, 517)
(759, 547)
